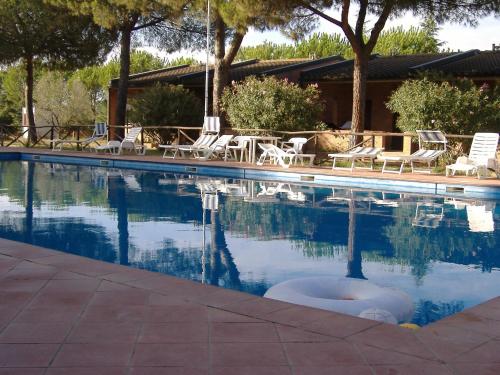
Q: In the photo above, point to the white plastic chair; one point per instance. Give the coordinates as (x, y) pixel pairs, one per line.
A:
(241, 146)
(276, 155)
(128, 143)
(482, 156)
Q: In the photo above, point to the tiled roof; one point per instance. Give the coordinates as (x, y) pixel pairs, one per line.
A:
(470, 63)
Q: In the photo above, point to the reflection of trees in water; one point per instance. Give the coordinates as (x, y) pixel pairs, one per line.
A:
(427, 312)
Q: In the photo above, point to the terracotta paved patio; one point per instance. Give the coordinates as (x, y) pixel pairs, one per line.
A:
(65, 314)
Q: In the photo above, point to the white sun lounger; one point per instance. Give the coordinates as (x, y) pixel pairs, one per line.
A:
(276, 155)
(209, 133)
(422, 155)
(482, 156)
(100, 132)
(218, 148)
(358, 153)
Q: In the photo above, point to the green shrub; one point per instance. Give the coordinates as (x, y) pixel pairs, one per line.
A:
(462, 108)
(272, 104)
(167, 105)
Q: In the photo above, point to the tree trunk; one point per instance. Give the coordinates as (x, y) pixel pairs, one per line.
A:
(359, 94)
(32, 138)
(121, 101)
(221, 70)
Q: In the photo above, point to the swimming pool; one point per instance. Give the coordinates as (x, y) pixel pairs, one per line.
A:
(250, 235)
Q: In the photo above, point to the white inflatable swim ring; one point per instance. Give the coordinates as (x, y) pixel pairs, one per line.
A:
(344, 295)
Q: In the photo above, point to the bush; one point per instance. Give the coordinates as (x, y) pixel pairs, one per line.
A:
(463, 108)
(272, 104)
(167, 105)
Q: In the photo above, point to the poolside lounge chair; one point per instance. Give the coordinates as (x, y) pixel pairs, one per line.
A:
(209, 133)
(482, 156)
(358, 153)
(217, 148)
(297, 144)
(128, 143)
(276, 155)
(422, 155)
(100, 132)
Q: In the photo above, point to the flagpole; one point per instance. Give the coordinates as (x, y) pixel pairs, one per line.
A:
(208, 58)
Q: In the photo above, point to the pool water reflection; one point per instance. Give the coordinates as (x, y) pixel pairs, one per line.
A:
(250, 235)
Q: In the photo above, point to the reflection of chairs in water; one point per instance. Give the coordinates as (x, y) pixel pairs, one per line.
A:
(480, 219)
(131, 182)
(389, 199)
(292, 193)
(428, 215)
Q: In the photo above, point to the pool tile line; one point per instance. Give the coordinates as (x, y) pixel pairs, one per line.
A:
(378, 348)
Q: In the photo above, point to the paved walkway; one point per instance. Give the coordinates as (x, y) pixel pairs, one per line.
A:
(64, 314)
(320, 170)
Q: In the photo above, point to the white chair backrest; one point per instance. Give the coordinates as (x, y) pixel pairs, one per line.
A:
(132, 134)
(298, 143)
(431, 136)
(205, 140)
(221, 142)
(484, 146)
(242, 140)
(211, 125)
(100, 130)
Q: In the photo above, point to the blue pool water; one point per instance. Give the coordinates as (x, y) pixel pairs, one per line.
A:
(250, 235)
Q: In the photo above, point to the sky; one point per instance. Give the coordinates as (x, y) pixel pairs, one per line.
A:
(453, 36)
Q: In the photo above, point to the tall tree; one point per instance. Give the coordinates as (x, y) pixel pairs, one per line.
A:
(127, 17)
(453, 10)
(32, 31)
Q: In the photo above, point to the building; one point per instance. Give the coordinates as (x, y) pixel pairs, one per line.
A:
(334, 77)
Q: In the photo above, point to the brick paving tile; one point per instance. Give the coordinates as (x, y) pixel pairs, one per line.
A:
(252, 370)
(333, 370)
(73, 286)
(377, 356)
(393, 337)
(156, 299)
(87, 371)
(216, 315)
(476, 368)
(49, 315)
(15, 299)
(95, 354)
(60, 300)
(21, 285)
(7, 314)
(339, 325)
(115, 314)
(447, 342)
(182, 355)
(178, 313)
(490, 311)
(159, 333)
(127, 275)
(486, 353)
(22, 371)
(292, 334)
(35, 333)
(415, 369)
(473, 322)
(24, 251)
(120, 297)
(27, 355)
(322, 353)
(243, 332)
(257, 307)
(31, 271)
(247, 354)
(68, 275)
(104, 332)
(168, 371)
(296, 315)
(218, 297)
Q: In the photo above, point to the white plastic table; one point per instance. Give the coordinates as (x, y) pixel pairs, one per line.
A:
(254, 139)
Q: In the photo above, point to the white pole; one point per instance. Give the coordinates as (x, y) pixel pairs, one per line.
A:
(208, 57)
